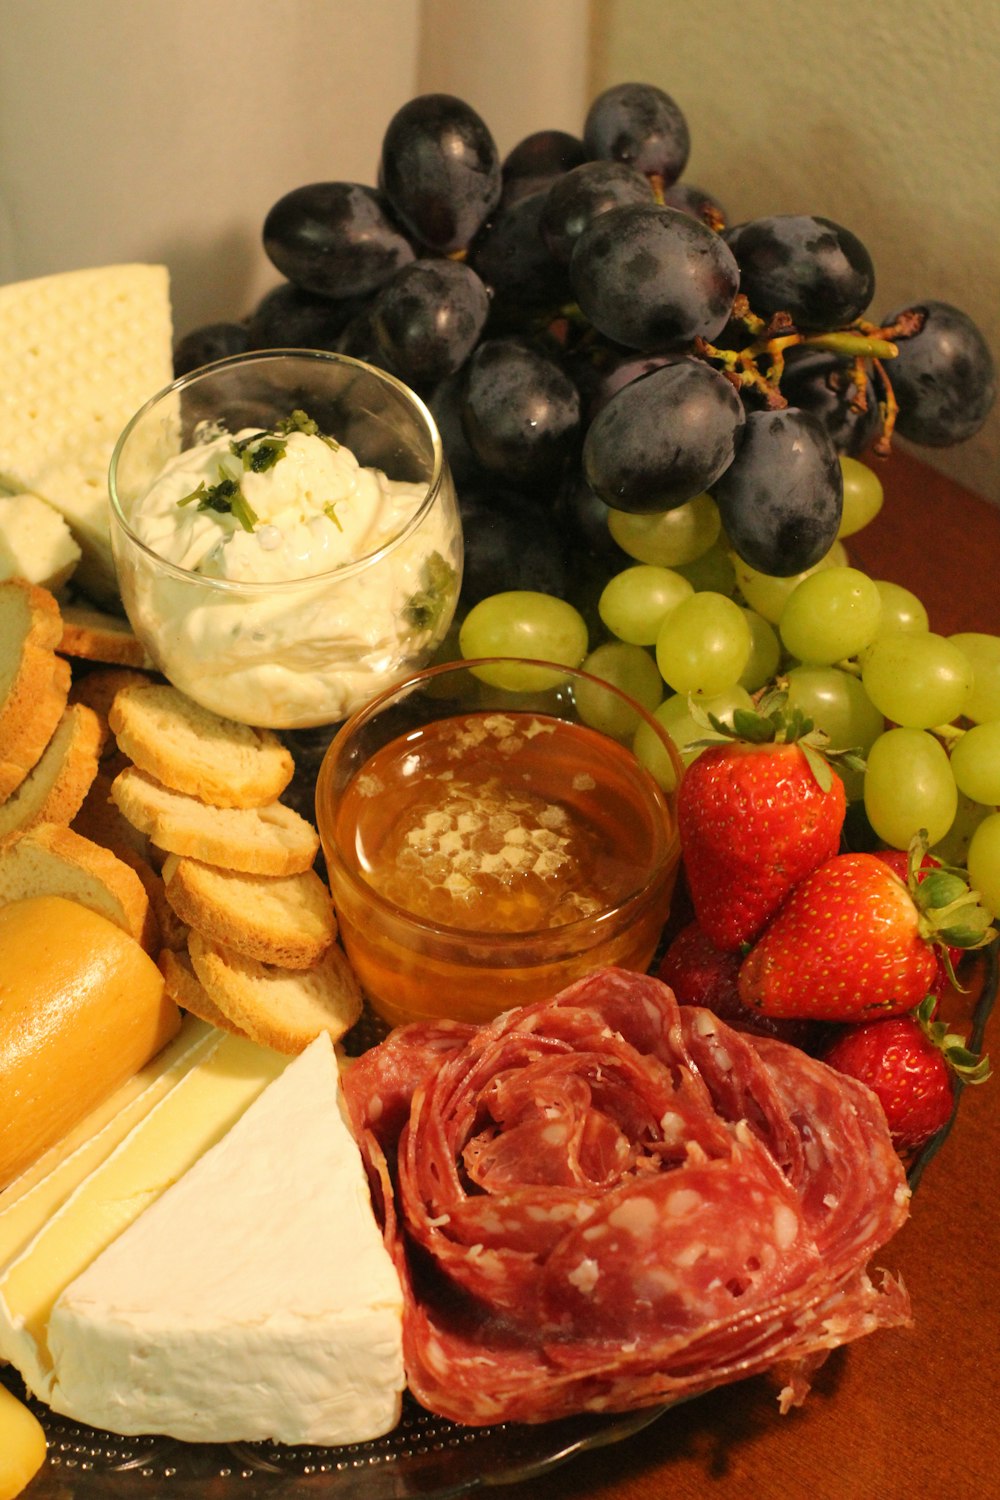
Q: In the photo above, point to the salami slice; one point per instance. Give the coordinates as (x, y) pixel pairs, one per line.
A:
(605, 1201)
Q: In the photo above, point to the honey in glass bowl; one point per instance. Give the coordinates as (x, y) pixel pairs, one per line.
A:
(484, 848)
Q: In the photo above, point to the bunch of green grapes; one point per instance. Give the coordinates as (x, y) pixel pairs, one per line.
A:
(693, 630)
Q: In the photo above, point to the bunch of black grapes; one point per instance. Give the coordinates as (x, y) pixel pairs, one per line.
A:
(590, 334)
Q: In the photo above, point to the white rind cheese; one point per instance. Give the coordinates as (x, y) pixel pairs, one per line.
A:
(254, 1300)
(35, 542)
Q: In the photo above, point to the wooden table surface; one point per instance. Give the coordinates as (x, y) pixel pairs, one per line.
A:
(903, 1414)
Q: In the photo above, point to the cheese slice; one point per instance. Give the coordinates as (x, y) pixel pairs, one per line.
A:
(197, 1112)
(81, 351)
(254, 1300)
(29, 1202)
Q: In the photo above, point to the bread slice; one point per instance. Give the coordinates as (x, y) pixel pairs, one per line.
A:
(20, 753)
(55, 789)
(284, 1009)
(190, 749)
(96, 635)
(99, 819)
(97, 688)
(276, 919)
(272, 840)
(173, 932)
(186, 990)
(51, 860)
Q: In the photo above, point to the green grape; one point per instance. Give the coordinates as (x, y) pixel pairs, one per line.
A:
(632, 671)
(953, 849)
(830, 616)
(767, 594)
(765, 652)
(901, 610)
(668, 538)
(712, 571)
(704, 644)
(917, 680)
(839, 706)
(836, 557)
(684, 729)
(984, 862)
(863, 496)
(523, 623)
(983, 652)
(909, 786)
(635, 603)
(975, 763)
(651, 747)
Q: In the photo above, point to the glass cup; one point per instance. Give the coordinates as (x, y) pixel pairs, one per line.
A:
(485, 847)
(292, 653)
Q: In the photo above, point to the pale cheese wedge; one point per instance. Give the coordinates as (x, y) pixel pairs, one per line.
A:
(193, 1116)
(29, 1202)
(35, 542)
(254, 1300)
(82, 351)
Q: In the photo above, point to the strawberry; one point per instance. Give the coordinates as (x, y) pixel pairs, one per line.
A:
(911, 1062)
(853, 941)
(756, 815)
(701, 974)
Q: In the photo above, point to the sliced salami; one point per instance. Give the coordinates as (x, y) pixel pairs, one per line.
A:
(606, 1201)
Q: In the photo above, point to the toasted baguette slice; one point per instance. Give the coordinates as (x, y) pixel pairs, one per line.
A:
(173, 932)
(284, 1009)
(51, 860)
(20, 754)
(55, 789)
(186, 990)
(96, 635)
(98, 818)
(276, 919)
(272, 840)
(98, 688)
(192, 750)
(30, 626)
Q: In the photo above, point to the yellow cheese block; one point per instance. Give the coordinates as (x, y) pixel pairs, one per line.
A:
(82, 1007)
(34, 1197)
(197, 1112)
(22, 1445)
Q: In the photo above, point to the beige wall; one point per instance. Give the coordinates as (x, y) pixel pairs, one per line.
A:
(881, 114)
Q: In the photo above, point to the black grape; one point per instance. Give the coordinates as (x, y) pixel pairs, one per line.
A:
(510, 542)
(335, 238)
(440, 170)
(512, 258)
(639, 124)
(663, 439)
(696, 202)
(620, 372)
(210, 342)
(288, 318)
(521, 413)
(652, 277)
(814, 270)
(818, 381)
(578, 197)
(943, 378)
(781, 499)
(428, 319)
(536, 162)
(446, 403)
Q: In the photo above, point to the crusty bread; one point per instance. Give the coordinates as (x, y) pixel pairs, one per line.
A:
(96, 635)
(20, 753)
(280, 1008)
(100, 820)
(54, 791)
(173, 932)
(190, 749)
(51, 860)
(286, 920)
(98, 688)
(272, 840)
(186, 990)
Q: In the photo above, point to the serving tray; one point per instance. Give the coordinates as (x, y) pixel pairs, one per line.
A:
(424, 1456)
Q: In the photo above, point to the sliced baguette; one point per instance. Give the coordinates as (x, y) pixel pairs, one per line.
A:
(98, 688)
(51, 860)
(54, 791)
(286, 920)
(20, 753)
(284, 1009)
(97, 635)
(192, 750)
(272, 840)
(30, 626)
(186, 990)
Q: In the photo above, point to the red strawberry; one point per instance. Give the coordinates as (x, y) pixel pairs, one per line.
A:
(853, 941)
(701, 974)
(754, 819)
(898, 861)
(911, 1062)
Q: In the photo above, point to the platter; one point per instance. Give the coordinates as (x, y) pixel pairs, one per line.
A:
(424, 1456)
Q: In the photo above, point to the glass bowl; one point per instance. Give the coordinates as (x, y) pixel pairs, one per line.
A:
(269, 649)
(485, 847)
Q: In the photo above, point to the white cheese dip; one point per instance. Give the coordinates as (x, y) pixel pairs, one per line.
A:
(290, 511)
